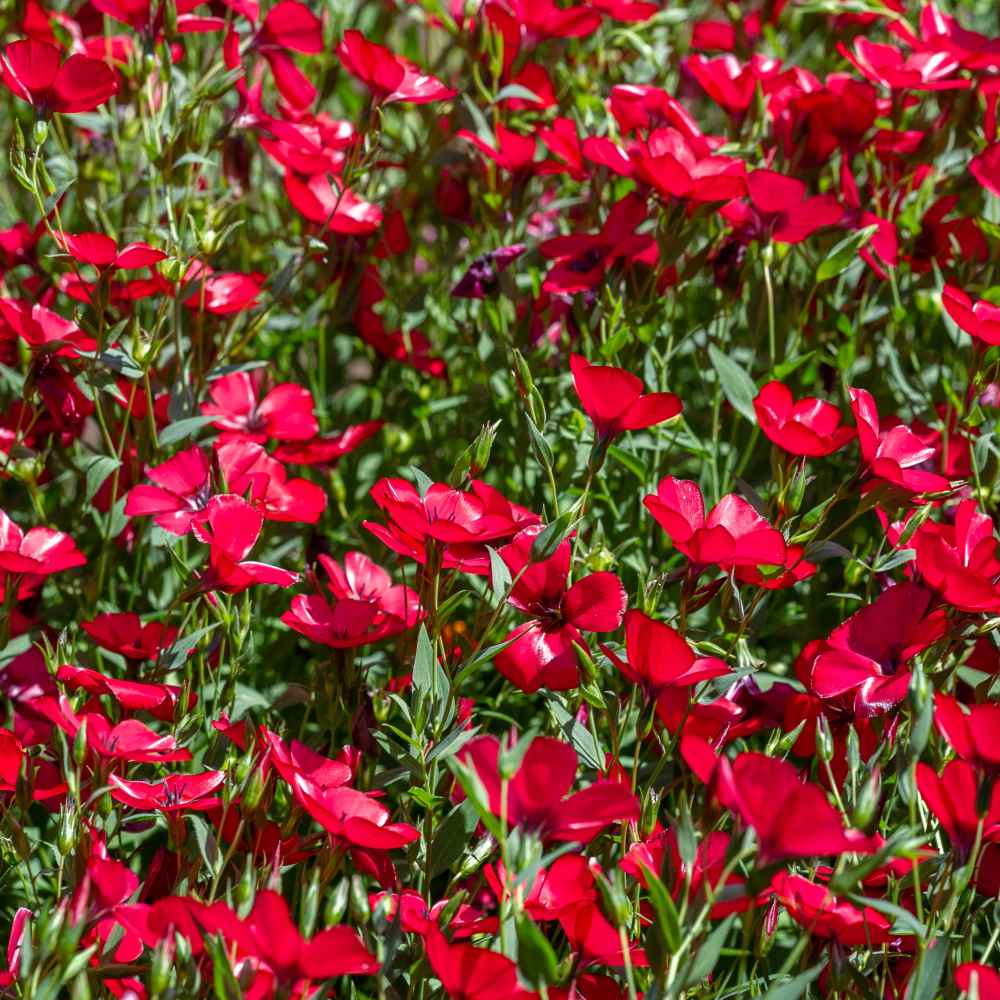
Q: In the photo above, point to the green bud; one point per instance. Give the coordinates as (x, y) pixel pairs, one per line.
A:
(68, 830)
(40, 132)
(358, 907)
(866, 808)
(162, 967)
(336, 903)
(824, 740)
(80, 744)
(310, 905)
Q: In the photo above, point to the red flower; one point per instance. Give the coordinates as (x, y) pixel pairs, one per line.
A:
(960, 560)
(953, 797)
(980, 319)
(972, 734)
(43, 329)
(123, 632)
(984, 979)
(986, 168)
(780, 210)
(102, 252)
(389, 77)
(863, 658)
(284, 414)
(541, 653)
(367, 607)
(470, 973)
(34, 72)
(327, 450)
(275, 940)
(160, 700)
(886, 65)
(175, 793)
(733, 534)
(894, 454)
(247, 469)
(613, 399)
(39, 551)
(231, 527)
(536, 796)
(221, 293)
(814, 907)
(659, 658)
(792, 818)
(463, 522)
(582, 259)
(181, 493)
(808, 426)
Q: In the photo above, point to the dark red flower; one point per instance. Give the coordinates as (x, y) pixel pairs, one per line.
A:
(780, 209)
(123, 632)
(970, 730)
(792, 818)
(823, 915)
(807, 426)
(35, 72)
(953, 797)
(535, 797)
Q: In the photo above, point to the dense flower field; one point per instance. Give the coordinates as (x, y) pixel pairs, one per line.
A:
(497, 499)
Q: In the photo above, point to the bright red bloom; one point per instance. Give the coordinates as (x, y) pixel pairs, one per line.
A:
(895, 454)
(792, 818)
(536, 795)
(283, 414)
(953, 797)
(470, 973)
(462, 522)
(389, 77)
(862, 661)
(986, 168)
(814, 907)
(779, 209)
(980, 320)
(886, 65)
(160, 700)
(43, 329)
(35, 72)
(960, 560)
(180, 495)
(276, 941)
(130, 741)
(614, 401)
(659, 658)
(296, 758)
(541, 653)
(678, 167)
(986, 979)
(351, 816)
(175, 793)
(733, 534)
(327, 450)
(247, 469)
(971, 734)
(123, 632)
(102, 252)
(807, 426)
(221, 293)
(39, 551)
(366, 607)
(231, 527)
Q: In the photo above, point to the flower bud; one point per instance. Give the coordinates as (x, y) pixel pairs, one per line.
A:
(866, 808)
(824, 740)
(162, 967)
(310, 905)
(358, 906)
(40, 132)
(336, 903)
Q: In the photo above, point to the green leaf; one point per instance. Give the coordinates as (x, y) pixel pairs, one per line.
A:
(535, 957)
(500, 579)
(844, 253)
(98, 469)
(667, 921)
(181, 429)
(516, 91)
(738, 387)
(548, 540)
(796, 986)
(428, 676)
(453, 835)
(923, 985)
(708, 954)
